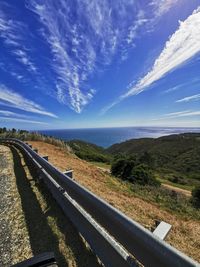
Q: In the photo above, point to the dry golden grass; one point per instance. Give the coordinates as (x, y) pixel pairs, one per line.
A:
(185, 234)
(48, 228)
(35, 223)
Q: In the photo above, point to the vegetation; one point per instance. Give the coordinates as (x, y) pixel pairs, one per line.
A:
(132, 170)
(89, 152)
(175, 158)
(32, 136)
(166, 199)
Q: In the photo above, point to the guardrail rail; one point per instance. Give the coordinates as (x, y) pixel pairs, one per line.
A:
(116, 239)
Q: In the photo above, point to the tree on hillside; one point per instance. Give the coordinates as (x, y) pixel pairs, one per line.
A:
(147, 159)
(143, 176)
(131, 170)
(118, 166)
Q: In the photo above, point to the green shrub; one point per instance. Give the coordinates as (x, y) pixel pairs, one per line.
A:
(118, 167)
(129, 169)
(143, 176)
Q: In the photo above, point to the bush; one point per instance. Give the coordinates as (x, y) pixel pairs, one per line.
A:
(196, 197)
(118, 166)
(129, 169)
(177, 180)
(143, 176)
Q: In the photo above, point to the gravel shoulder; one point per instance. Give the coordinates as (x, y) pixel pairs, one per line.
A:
(14, 245)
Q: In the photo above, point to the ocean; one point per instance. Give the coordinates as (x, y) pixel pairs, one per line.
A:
(106, 137)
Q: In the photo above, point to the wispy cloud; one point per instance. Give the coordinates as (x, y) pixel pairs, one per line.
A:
(162, 6)
(174, 88)
(22, 120)
(189, 83)
(15, 100)
(184, 113)
(81, 45)
(12, 31)
(189, 98)
(182, 46)
(13, 114)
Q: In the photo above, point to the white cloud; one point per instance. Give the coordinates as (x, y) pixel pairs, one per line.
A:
(15, 100)
(12, 114)
(85, 44)
(184, 113)
(23, 57)
(181, 46)
(189, 98)
(12, 31)
(162, 6)
(21, 120)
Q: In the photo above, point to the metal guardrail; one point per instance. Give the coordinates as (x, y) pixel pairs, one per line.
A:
(102, 225)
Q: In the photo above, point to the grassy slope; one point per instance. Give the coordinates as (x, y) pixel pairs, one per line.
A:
(137, 204)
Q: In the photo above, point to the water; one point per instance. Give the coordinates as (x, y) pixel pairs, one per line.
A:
(106, 137)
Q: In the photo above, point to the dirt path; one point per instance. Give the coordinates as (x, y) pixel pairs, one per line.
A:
(177, 189)
(185, 234)
(31, 221)
(171, 187)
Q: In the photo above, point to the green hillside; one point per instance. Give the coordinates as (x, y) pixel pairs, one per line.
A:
(175, 157)
(89, 151)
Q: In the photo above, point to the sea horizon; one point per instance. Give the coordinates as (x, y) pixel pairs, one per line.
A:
(107, 136)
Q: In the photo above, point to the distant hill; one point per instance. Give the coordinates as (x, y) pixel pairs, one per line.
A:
(89, 151)
(179, 153)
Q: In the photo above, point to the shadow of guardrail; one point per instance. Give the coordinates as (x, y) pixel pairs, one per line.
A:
(42, 236)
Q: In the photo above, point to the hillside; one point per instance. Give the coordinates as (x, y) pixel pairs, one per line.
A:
(184, 234)
(89, 151)
(175, 154)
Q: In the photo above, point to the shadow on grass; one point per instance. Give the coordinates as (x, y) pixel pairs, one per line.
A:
(41, 235)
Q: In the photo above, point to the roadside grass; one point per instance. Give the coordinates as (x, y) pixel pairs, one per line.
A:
(48, 228)
(166, 199)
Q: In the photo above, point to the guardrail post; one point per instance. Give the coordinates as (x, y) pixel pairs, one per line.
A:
(69, 173)
(35, 150)
(162, 229)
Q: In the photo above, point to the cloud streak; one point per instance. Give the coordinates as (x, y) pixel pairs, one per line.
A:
(84, 43)
(184, 113)
(181, 47)
(22, 120)
(162, 6)
(11, 31)
(189, 98)
(12, 114)
(15, 100)
(80, 45)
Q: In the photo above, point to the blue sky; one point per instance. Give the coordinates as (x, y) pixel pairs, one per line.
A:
(90, 63)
